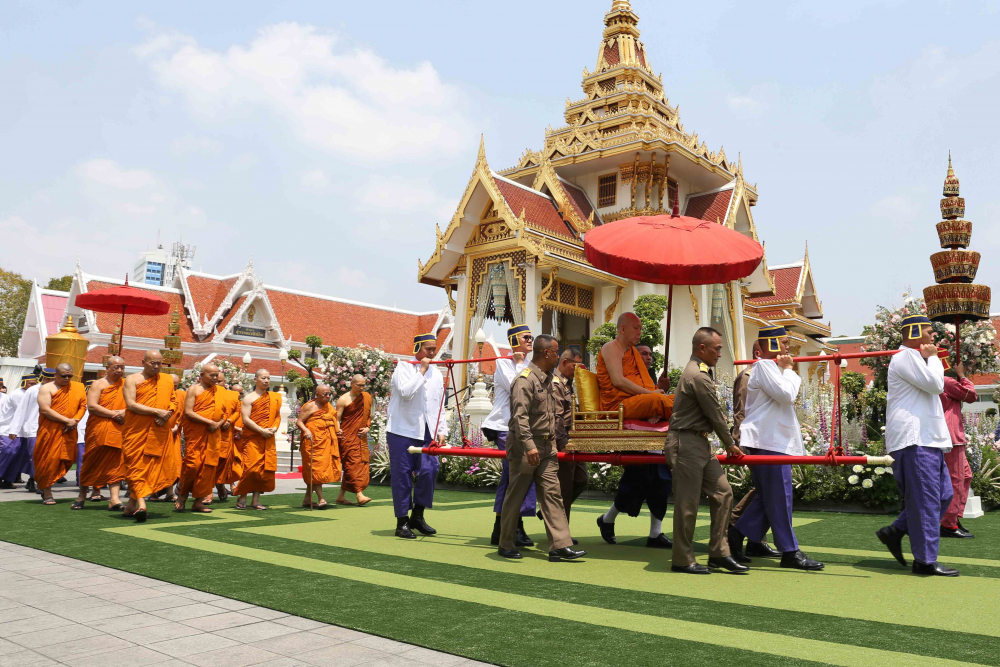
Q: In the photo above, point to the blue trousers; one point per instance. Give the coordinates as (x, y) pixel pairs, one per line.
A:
(80, 446)
(402, 467)
(771, 506)
(530, 502)
(925, 485)
(13, 458)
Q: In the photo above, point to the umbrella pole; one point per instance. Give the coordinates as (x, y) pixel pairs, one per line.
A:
(670, 312)
(121, 332)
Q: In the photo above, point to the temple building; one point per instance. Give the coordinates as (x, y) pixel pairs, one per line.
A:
(513, 251)
(226, 317)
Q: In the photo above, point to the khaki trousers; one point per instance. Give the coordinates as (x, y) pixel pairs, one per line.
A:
(740, 506)
(695, 471)
(546, 478)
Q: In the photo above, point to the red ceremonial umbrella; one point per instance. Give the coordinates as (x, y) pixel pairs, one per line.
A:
(122, 300)
(672, 250)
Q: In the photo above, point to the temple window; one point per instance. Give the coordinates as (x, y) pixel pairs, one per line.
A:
(671, 193)
(607, 190)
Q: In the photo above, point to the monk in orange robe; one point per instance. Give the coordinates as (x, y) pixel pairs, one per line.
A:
(624, 380)
(103, 462)
(261, 415)
(61, 405)
(150, 401)
(230, 467)
(171, 468)
(354, 414)
(320, 454)
(203, 419)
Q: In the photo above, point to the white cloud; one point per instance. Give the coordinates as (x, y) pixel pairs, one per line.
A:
(107, 172)
(345, 101)
(315, 179)
(352, 277)
(190, 144)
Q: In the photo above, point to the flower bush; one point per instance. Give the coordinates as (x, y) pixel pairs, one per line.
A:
(340, 364)
(979, 352)
(232, 373)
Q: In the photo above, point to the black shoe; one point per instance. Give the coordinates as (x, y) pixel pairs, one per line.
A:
(936, 569)
(141, 516)
(31, 487)
(511, 553)
(61, 480)
(798, 560)
(761, 550)
(961, 527)
(728, 563)
(956, 532)
(736, 545)
(4, 484)
(495, 537)
(405, 532)
(417, 521)
(521, 538)
(697, 568)
(661, 541)
(607, 530)
(575, 541)
(566, 553)
(892, 538)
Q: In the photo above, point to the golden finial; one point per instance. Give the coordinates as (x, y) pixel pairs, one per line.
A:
(68, 327)
(621, 6)
(950, 181)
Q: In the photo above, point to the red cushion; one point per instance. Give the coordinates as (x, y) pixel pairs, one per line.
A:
(642, 425)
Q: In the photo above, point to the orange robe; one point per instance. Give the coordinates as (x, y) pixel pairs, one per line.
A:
(201, 446)
(170, 470)
(637, 406)
(354, 449)
(143, 442)
(55, 450)
(321, 455)
(230, 467)
(103, 462)
(260, 459)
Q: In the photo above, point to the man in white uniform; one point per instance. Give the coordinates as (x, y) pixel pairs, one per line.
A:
(770, 427)
(25, 426)
(12, 456)
(916, 436)
(415, 409)
(496, 424)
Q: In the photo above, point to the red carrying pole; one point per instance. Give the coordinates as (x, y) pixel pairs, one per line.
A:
(623, 459)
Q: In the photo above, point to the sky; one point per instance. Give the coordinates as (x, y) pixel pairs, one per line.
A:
(326, 139)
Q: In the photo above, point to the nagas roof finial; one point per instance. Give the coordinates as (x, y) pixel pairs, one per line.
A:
(950, 181)
(481, 157)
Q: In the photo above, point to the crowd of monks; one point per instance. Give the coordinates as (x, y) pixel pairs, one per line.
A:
(144, 433)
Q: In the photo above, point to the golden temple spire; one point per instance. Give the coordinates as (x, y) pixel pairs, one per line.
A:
(950, 181)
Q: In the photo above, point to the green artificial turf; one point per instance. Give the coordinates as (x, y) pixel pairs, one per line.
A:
(620, 605)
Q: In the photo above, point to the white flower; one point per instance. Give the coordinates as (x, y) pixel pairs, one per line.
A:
(853, 479)
(883, 429)
(595, 475)
(888, 471)
(858, 468)
(867, 484)
(444, 460)
(880, 471)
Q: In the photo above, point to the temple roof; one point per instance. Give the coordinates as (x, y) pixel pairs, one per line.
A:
(539, 208)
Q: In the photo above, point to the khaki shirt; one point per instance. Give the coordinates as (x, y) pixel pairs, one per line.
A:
(532, 414)
(740, 401)
(696, 407)
(562, 390)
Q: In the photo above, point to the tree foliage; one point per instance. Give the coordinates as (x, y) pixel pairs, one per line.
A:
(61, 284)
(15, 292)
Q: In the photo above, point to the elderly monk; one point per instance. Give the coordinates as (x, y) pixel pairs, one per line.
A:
(103, 463)
(230, 467)
(61, 404)
(149, 403)
(260, 416)
(203, 420)
(320, 452)
(623, 377)
(354, 414)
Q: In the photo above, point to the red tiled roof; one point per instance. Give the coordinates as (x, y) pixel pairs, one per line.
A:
(786, 286)
(855, 364)
(712, 206)
(539, 209)
(232, 311)
(208, 293)
(611, 54)
(579, 200)
(346, 325)
(772, 314)
(53, 307)
(134, 357)
(143, 326)
(442, 337)
(641, 52)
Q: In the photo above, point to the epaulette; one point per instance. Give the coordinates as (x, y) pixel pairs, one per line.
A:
(555, 379)
(703, 367)
(526, 372)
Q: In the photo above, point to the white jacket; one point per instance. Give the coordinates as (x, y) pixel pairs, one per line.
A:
(9, 409)
(415, 400)
(913, 414)
(25, 422)
(770, 422)
(499, 416)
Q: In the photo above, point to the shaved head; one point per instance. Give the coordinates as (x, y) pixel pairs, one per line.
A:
(629, 330)
(64, 368)
(115, 361)
(261, 370)
(628, 318)
(357, 377)
(152, 355)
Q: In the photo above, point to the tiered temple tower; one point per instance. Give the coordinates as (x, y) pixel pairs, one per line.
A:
(955, 299)
(171, 352)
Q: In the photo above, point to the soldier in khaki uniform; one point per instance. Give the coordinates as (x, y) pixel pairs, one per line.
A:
(572, 474)
(531, 452)
(695, 468)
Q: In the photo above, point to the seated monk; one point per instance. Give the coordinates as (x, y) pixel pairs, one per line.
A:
(624, 380)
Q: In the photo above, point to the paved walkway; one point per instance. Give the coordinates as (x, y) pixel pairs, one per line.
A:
(56, 610)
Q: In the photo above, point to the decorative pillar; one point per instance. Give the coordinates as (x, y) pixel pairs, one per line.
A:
(281, 442)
